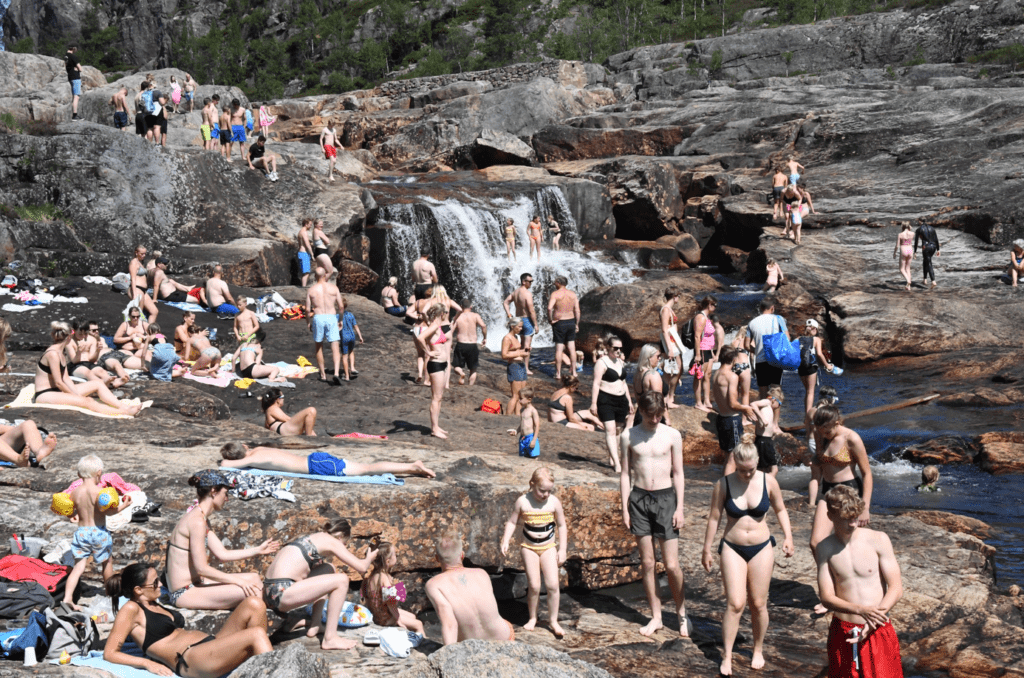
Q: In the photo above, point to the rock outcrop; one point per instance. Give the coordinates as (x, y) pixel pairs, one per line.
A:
(502, 660)
(294, 661)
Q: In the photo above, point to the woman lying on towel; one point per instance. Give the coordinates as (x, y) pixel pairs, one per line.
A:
(54, 385)
(161, 632)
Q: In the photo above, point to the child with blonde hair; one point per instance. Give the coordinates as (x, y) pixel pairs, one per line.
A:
(541, 513)
(382, 594)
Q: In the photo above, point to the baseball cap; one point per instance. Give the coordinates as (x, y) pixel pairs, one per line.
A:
(812, 323)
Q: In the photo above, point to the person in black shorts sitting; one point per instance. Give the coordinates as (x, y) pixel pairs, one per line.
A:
(262, 159)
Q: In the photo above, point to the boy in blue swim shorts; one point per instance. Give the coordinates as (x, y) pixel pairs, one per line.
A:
(237, 455)
(92, 539)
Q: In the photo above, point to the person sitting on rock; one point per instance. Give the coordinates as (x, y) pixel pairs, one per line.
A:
(1016, 262)
(262, 159)
(464, 598)
(183, 336)
(83, 354)
(237, 455)
(194, 584)
(218, 293)
(562, 408)
(249, 359)
(168, 289)
(275, 419)
(160, 632)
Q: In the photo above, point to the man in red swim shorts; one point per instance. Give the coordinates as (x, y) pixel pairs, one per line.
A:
(859, 580)
(329, 141)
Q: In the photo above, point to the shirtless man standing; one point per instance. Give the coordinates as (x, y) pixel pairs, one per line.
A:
(139, 282)
(467, 350)
(329, 142)
(168, 289)
(725, 389)
(779, 180)
(794, 170)
(323, 314)
(189, 91)
(859, 580)
(120, 105)
(564, 316)
(652, 453)
(424, 275)
(521, 300)
(209, 129)
(463, 598)
(218, 295)
(225, 132)
(238, 129)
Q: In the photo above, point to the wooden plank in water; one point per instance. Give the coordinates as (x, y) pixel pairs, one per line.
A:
(792, 428)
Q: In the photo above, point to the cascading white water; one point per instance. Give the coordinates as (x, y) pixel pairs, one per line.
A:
(466, 240)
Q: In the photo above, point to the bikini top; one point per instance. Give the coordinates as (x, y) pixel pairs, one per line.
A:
(44, 368)
(611, 375)
(841, 458)
(318, 243)
(247, 348)
(510, 231)
(159, 626)
(309, 552)
(908, 240)
(755, 512)
(441, 338)
(556, 405)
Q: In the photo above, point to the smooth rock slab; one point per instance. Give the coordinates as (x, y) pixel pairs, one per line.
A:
(294, 661)
(493, 659)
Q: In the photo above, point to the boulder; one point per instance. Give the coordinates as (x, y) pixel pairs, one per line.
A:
(455, 90)
(1002, 452)
(643, 253)
(249, 262)
(353, 277)
(953, 523)
(734, 259)
(562, 142)
(292, 661)
(942, 450)
(688, 248)
(498, 148)
(474, 658)
(35, 87)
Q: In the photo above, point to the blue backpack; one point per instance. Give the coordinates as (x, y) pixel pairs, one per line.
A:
(151, 107)
(248, 120)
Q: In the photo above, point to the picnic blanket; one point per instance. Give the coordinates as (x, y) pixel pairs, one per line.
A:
(383, 479)
(24, 399)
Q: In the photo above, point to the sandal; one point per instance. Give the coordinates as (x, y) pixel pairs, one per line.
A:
(371, 637)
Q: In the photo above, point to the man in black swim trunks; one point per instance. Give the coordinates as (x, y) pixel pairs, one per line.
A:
(726, 392)
(424, 275)
(564, 316)
(467, 350)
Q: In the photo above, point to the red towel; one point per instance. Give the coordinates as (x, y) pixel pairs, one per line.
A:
(879, 652)
(360, 435)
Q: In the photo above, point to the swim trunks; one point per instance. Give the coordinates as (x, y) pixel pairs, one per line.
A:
(767, 375)
(226, 308)
(878, 652)
(177, 296)
(305, 262)
(730, 431)
(325, 328)
(330, 152)
(612, 407)
(650, 513)
(776, 193)
(238, 133)
(323, 464)
(215, 133)
(205, 130)
(793, 178)
(120, 119)
(421, 290)
(92, 541)
(188, 96)
(527, 448)
(564, 331)
(466, 355)
(347, 346)
(767, 457)
(225, 137)
(528, 328)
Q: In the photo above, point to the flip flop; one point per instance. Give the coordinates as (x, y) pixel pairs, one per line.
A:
(371, 637)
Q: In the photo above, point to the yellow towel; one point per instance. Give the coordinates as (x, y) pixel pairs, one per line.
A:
(244, 383)
(24, 399)
(303, 361)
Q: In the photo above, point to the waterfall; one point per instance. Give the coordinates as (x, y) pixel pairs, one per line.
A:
(466, 238)
(4, 6)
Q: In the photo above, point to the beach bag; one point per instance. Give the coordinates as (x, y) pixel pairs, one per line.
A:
(491, 405)
(71, 632)
(780, 351)
(22, 568)
(19, 598)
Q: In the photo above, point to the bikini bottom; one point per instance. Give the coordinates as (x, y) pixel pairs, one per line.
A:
(747, 553)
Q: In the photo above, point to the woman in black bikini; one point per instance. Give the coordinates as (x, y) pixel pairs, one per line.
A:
(249, 358)
(275, 419)
(647, 377)
(320, 248)
(194, 583)
(437, 347)
(161, 632)
(610, 400)
(54, 386)
(747, 556)
(562, 409)
(301, 574)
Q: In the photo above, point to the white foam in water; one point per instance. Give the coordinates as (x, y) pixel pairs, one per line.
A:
(468, 239)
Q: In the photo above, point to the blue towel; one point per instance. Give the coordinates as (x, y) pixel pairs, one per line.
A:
(95, 660)
(186, 306)
(384, 479)
(6, 463)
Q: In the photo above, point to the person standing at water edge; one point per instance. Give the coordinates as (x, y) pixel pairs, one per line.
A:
(652, 508)
(323, 310)
(466, 354)
(725, 389)
(764, 324)
(423, 275)
(522, 301)
(533, 230)
(74, 70)
(859, 580)
(929, 240)
(672, 344)
(564, 316)
(556, 233)
(510, 239)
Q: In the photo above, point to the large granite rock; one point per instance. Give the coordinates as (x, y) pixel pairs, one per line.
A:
(35, 87)
(294, 661)
(473, 658)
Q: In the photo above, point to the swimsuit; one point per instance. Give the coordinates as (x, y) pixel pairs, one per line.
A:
(510, 234)
(247, 371)
(906, 244)
(180, 663)
(528, 328)
(44, 368)
(842, 458)
(730, 431)
(277, 427)
(92, 541)
(527, 446)
(767, 457)
(650, 513)
(538, 531)
(305, 262)
(324, 464)
(325, 328)
(467, 355)
(747, 552)
(273, 589)
(878, 651)
(564, 331)
(330, 152)
(159, 626)
(855, 483)
(120, 119)
(318, 247)
(373, 596)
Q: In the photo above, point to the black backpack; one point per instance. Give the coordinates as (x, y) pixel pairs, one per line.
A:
(807, 356)
(19, 598)
(688, 334)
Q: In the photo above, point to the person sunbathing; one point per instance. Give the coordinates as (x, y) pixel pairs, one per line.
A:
(237, 455)
(249, 359)
(275, 419)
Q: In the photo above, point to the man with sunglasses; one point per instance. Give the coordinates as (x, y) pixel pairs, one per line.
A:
(522, 300)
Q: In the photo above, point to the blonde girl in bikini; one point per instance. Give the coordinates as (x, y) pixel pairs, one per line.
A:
(510, 239)
(533, 230)
(382, 594)
(541, 513)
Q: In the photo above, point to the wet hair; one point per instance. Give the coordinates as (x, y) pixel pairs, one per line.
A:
(440, 293)
(524, 276)
(514, 322)
(380, 562)
(826, 415)
(765, 304)
(449, 547)
(339, 527)
(60, 330)
(424, 252)
(645, 356)
(828, 395)
(526, 394)
(728, 355)
(123, 583)
(651, 404)
(233, 451)
(436, 311)
(707, 301)
(672, 292)
(562, 280)
(930, 475)
(542, 473)
(844, 502)
(746, 450)
(90, 466)
(570, 381)
(466, 303)
(216, 97)
(775, 391)
(270, 397)
(392, 281)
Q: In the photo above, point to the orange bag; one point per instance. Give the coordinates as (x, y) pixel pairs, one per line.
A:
(293, 313)
(491, 405)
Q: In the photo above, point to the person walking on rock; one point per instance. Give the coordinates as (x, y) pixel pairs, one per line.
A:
(672, 345)
(905, 251)
(120, 105)
(651, 488)
(764, 324)
(929, 241)
(794, 170)
(704, 354)
(74, 71)
(1016, 262)
(329, 142)
(466, 354)
(323, 313)
(564, 316)
(189, 91)
(521, 302)
(779, 181)
(423, 274)
(726, 390)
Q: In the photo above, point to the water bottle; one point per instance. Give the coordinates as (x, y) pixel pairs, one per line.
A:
(213, 334)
